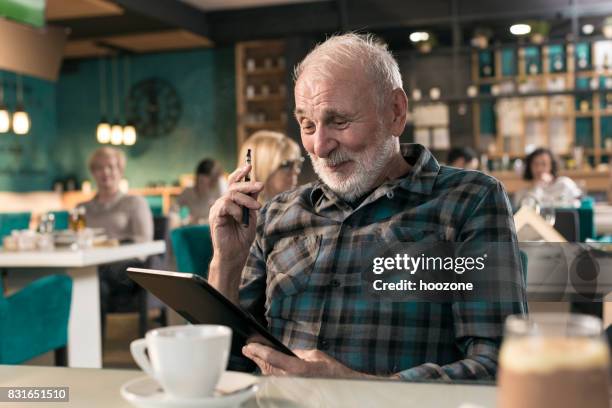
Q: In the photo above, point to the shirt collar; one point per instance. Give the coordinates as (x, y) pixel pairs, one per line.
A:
(420, 178)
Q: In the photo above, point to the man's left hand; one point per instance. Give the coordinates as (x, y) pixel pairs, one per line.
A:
(311, 363)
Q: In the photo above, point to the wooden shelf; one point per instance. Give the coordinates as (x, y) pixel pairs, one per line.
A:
(266, 72)
(540, 128)
(594, 180)
(273, 105)
(268, 98)
(271, 124)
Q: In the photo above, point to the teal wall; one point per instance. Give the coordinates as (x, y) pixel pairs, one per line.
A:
(205, 82)
(26, 162)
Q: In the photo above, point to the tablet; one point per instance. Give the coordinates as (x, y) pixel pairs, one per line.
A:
(199, 303)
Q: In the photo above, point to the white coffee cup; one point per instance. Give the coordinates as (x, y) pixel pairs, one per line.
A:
(187, 361)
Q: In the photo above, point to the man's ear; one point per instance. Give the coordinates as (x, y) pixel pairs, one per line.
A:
(399, 102)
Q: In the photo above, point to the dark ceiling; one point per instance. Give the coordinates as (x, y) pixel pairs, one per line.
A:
(452, 21)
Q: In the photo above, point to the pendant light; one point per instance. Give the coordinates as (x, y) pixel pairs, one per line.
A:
(116, 129)
(5, 116)
(129, 131)
(21, 119)
(103, 130)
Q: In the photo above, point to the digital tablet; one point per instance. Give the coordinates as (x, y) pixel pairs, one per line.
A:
(199, 303)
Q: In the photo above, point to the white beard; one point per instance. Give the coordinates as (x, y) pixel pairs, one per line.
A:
(367, 168)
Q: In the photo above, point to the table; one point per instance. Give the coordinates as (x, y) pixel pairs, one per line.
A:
(603, 219)
(84, 329)
(93, 388)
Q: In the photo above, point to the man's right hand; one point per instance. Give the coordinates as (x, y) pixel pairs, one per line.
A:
(231, 240)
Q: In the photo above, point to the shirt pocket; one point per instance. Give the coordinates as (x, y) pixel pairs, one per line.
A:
(290, 265)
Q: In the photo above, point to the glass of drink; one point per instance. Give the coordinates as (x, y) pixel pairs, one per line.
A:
(555, 360)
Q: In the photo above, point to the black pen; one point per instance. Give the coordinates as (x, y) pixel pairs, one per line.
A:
(245, 210)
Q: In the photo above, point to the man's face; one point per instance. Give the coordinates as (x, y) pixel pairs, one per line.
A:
(342, 130)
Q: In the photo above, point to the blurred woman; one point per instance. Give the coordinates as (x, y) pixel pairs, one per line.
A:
(124, 217)
(277, 162)
(463, 158)
(207, 188)
(545, 185)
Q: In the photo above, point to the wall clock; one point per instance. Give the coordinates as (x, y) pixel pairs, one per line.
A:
(154, 107)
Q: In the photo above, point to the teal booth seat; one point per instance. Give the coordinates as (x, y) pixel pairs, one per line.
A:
(192, 246)
(34, 320)
(13, 221)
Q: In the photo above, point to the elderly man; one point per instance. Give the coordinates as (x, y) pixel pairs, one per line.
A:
(301, 275)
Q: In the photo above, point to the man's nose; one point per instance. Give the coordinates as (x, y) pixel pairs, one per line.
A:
(324, 143)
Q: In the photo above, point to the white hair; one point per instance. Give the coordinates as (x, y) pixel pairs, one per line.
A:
(346, 51)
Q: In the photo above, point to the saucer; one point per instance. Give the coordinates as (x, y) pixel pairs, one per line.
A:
(233, 389)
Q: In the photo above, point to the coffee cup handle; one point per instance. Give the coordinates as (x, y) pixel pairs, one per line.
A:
(137, 348)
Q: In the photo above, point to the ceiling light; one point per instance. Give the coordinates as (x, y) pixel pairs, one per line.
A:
(434, 93)
(5, 119)
(103, 132)
(419, 36)
(116, 134)
(520, 29)
(588, 29)
(129, 135)
(21, 121)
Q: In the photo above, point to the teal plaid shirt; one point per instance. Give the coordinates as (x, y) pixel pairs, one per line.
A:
(303, 275)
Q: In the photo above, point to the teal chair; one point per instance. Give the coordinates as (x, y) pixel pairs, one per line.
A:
(156, 204)
(34, 320)
(61, 219)
(13, 221)
(192, 246)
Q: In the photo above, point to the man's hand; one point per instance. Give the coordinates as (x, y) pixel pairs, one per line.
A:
(231, 241)
(311, 363)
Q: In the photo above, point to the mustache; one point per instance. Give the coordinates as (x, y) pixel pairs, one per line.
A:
(336, 157)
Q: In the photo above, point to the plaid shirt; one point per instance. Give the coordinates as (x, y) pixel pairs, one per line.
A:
(303, 277)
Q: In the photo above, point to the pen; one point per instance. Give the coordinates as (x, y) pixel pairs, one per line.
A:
(245, 211)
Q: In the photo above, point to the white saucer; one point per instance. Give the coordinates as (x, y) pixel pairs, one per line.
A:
(145, 392)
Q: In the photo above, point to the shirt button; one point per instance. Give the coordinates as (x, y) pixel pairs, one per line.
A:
(323, 344)
(390, 194)
(335, 283)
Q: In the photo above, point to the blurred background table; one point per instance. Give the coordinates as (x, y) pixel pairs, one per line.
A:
(84, 328)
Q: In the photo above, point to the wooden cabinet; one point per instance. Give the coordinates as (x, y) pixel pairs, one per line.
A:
(261, 88)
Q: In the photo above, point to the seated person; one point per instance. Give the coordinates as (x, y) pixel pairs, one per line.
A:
(207, 188)
(277, 162)
(296, 264)
(544, 184)
(463, 158)
(124, 217)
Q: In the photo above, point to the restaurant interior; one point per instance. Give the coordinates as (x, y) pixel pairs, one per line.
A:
(157, 102)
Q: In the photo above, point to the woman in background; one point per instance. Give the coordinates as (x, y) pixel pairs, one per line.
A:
(207, 188)
(463, 158)
(124, 217)
(276, 159)
(545, 185)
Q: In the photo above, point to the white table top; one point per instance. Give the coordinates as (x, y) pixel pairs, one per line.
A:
(100, 388)
(66, 258)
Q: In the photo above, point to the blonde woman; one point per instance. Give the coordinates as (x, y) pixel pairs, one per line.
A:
(124, 217)
(277, 162)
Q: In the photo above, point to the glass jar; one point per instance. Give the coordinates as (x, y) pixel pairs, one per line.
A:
(553, 360)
